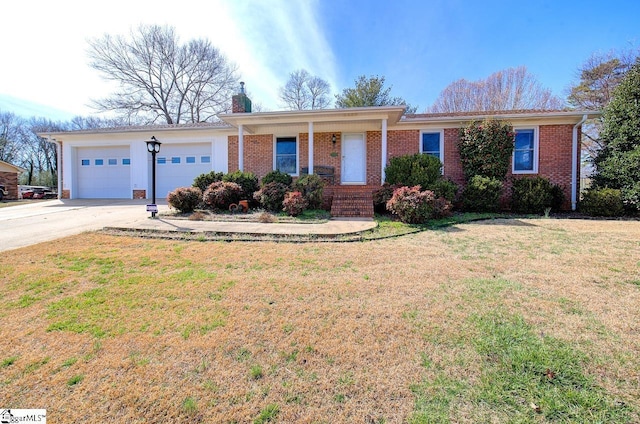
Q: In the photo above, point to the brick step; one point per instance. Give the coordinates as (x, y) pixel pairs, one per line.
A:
(352, 203)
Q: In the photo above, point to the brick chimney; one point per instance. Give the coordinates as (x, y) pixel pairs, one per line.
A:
(240, 103)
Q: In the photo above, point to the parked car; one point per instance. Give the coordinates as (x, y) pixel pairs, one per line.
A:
(38, 193)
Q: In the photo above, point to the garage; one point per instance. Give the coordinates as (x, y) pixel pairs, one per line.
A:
(178, 164)
(104, 172)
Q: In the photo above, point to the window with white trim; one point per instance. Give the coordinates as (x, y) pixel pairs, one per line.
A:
(525, 151)
(191, 159)
(175, 159)
(86, 162)
(286, 155)
(161, 161)
(432, 143)
(205, 159)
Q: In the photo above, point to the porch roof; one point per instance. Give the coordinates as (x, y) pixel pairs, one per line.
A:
(324, 120)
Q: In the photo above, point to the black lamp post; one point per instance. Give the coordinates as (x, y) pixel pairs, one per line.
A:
(153, 146)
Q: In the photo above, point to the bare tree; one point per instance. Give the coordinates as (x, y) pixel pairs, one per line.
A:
(593, 89)
(162, 80)
(10, 129)
(510, 89)
(304, 91)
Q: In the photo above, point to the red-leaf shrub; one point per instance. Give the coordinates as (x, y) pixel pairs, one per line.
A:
(221, 194)
(185, 199)
(294, 203)
(271, 195)
(382, 195)
(413, 206)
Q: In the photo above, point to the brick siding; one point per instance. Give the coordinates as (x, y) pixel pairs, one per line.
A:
(10, 182)
(555, 142)
(139, 194)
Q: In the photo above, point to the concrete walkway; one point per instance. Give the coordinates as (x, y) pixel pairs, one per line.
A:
(335, 226)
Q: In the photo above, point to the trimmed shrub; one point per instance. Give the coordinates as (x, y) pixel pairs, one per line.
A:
(271, 195)
(482, 194)
(602, 202)
(382, 195)
(412, 170)
(486, 148)
(534, 195)
(294, 203)
(413, 206)
(247, 181)
(311, 186)
(277, 177)
(221, 194)
(203, 181)
(444, 188)
(185, 199)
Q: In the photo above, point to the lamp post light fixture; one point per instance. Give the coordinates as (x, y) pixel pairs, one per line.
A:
(153, 146)
(333, 139)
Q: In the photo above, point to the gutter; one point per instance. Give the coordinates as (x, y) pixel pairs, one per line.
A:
(59, 162)
(575, 164)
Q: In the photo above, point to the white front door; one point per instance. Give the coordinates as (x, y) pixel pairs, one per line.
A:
(353, 159)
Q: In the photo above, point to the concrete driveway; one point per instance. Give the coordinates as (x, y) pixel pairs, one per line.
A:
(46, 220)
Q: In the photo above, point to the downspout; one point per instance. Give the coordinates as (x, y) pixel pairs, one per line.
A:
(59, 163)
(575, 164)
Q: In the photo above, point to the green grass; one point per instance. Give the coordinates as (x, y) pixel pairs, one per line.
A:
(76, 379)
(268, 414)
(189, 405)
(522, 376)
(256, 372)
(8, 361)
(390, 227)
(546, 372)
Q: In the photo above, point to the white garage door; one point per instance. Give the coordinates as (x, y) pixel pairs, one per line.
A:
(104, 173)
(178, 164)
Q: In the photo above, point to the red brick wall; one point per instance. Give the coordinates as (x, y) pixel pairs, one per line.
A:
(232, 145)
(258, 154)
(404, 142)
(373, 141)
(10, 182)
(452, 164)
(554, 158)
(324, 151)
(554, 153)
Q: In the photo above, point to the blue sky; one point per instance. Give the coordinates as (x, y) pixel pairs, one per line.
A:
(418, 46)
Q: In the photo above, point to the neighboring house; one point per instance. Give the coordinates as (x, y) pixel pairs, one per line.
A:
(9, 179)
(356, 142)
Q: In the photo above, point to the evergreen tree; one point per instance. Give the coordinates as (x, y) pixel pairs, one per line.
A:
(618, 163)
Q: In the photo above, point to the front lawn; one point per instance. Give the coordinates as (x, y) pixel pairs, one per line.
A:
(504, 320)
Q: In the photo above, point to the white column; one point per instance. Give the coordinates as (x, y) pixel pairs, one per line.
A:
(310, 148)
(384, 150)
(240, 147)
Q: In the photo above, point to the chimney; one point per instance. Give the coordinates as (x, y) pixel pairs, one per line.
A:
(240, 103)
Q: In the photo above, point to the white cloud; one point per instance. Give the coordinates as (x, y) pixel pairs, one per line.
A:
(44, 43)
